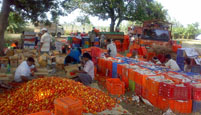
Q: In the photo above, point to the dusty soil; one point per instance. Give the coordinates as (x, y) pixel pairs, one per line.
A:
(134, 107)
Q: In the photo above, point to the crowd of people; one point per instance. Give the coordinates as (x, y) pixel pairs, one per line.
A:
(24, 71)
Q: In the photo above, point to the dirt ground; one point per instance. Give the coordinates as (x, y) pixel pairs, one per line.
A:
(134, 107)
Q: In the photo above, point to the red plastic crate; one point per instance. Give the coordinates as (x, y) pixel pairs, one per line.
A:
(152, 85)
(119, 69)
(145, 93)
(166, 90)
(109, 73)
(196, 91)
(125, 71)
(140, 79)
(176, 80)
(115, 86)
(125, 75)
(131, 74)
(138, 89)
(137, 78)
(125, 80)
(108, 65)
(153, 99)
(182, 93)
(42, 113)
(163, 103)
(181, 106)
(68, 106)
(172, 91)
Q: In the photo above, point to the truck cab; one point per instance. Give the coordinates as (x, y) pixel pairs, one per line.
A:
(54, 29)
(59, 30)
(153, 32)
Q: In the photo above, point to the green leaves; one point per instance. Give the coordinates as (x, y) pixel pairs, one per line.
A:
(83, 20)
(37, 10)
(15, 22)
(181, 32)
(119, 10)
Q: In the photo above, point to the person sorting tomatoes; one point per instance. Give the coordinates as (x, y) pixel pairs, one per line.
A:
(23, 72)
(111, 48)
(73, 57)
(171, 64)
(86, 75)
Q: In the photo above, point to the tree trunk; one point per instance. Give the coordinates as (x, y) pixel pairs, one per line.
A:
(112, 25)
(5, 10)
(119, 22)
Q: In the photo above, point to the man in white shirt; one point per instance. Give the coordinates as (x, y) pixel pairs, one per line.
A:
(172, 64)
(23, 71)
(45, 41)
(111, 48)
(102, 41)
(87, 74)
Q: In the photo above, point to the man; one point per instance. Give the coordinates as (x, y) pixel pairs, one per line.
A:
(111, 48)
(23, 71)
(73, 57)
(45, 41)
(102, 41)
(172, 64)
(86, 75)
(92, 37)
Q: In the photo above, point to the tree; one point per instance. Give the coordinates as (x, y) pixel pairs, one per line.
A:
(189, 32)
(177, 30)
(15, 23)
(83, 20)
(120, 10)
(33, 10)
(192, 30)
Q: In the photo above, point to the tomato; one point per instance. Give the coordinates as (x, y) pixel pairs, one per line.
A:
(39, 94)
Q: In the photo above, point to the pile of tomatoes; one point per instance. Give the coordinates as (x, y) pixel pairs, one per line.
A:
(39, 94)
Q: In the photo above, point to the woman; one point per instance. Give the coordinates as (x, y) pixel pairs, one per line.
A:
(73, 57)
(86, 75)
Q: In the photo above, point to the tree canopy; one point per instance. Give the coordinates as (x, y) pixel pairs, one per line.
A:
(15, 23)
(116, 10)
(34, 10)
(120, 10)
(188, 32)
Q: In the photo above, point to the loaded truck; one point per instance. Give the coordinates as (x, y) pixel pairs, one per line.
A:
(54, 29)
(154, 33)
(113, 35)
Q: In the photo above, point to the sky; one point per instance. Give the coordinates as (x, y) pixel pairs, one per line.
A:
(184, 11)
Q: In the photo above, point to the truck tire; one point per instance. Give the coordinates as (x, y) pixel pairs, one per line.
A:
(59, 35)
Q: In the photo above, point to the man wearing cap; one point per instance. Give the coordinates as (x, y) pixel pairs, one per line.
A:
(45, 41)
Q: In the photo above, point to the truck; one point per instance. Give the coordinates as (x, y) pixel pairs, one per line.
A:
(113, 35)
(154, 33)
(54, 29)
